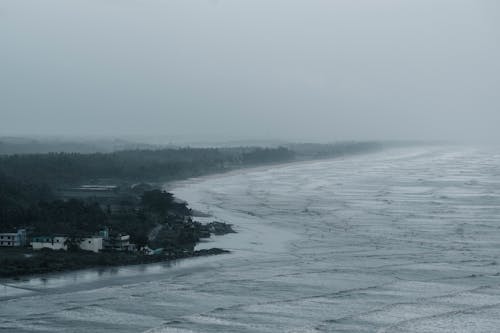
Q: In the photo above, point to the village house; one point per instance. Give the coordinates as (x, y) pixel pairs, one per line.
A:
(119, 243)
(116, 242)
(12, 239)
(93, 243)
(49, 242)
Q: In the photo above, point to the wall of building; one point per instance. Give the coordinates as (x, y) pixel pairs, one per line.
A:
(94, 244)
(7, 239)
(13, 239)
(54, 243)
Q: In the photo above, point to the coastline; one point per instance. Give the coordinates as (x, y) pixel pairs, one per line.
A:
(246, 240)
(255, 234)
(215, 245)
(171, 185)
(61, 262)
(249, 239)
(176, 235)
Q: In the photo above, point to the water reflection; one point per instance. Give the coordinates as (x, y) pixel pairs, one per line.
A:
(379, 243)
(102, 276)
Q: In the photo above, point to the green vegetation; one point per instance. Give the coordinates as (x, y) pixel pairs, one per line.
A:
(177, 233)
(40, 192)
(134, 165)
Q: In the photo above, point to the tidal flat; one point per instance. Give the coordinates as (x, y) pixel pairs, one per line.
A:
(403, 240)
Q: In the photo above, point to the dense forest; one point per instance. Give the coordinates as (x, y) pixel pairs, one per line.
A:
(80, 218)
(29, 184)
(134, 165)
(37, 192)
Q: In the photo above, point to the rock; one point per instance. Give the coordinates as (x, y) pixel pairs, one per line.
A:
(212, 251)
(220, 228)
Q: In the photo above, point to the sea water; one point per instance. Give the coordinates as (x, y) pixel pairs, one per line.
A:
(404, 240)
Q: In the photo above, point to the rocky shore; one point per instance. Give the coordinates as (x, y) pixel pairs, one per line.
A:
(17, 262)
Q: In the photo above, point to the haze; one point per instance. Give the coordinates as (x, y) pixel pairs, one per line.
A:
(289, 70)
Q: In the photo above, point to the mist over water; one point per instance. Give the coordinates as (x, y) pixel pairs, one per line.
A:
(404, 240)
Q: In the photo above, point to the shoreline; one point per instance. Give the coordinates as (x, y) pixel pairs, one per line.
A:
(171, 185)
(98, 277)
(111, 261)
(122, 260)
(114, 260)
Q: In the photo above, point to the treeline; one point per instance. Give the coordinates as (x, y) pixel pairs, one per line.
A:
(159, 165)
(75, 218)
(134, 165)
(29, 187)
(18, 199)
(29, 183)
(35, 207)
(79, 218)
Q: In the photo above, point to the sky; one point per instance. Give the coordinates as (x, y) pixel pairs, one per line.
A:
(297, 70)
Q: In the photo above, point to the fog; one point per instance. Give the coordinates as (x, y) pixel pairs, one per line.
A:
(305, 70)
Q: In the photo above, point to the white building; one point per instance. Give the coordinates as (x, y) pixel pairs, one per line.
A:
(94, 244)
(119, 243)
(13, 238)
(46, 242)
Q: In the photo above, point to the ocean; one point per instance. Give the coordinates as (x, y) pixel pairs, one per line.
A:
(402, 240)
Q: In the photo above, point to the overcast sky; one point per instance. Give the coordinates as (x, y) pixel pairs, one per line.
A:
(251, 69)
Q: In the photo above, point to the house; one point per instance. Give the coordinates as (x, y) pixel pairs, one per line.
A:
(118, 243)
(13, 238)
(93, 243)
(50, 242)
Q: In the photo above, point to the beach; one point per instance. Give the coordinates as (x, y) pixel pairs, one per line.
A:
(403, 240)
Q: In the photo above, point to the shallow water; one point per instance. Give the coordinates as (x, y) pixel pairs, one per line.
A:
(397, 241)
